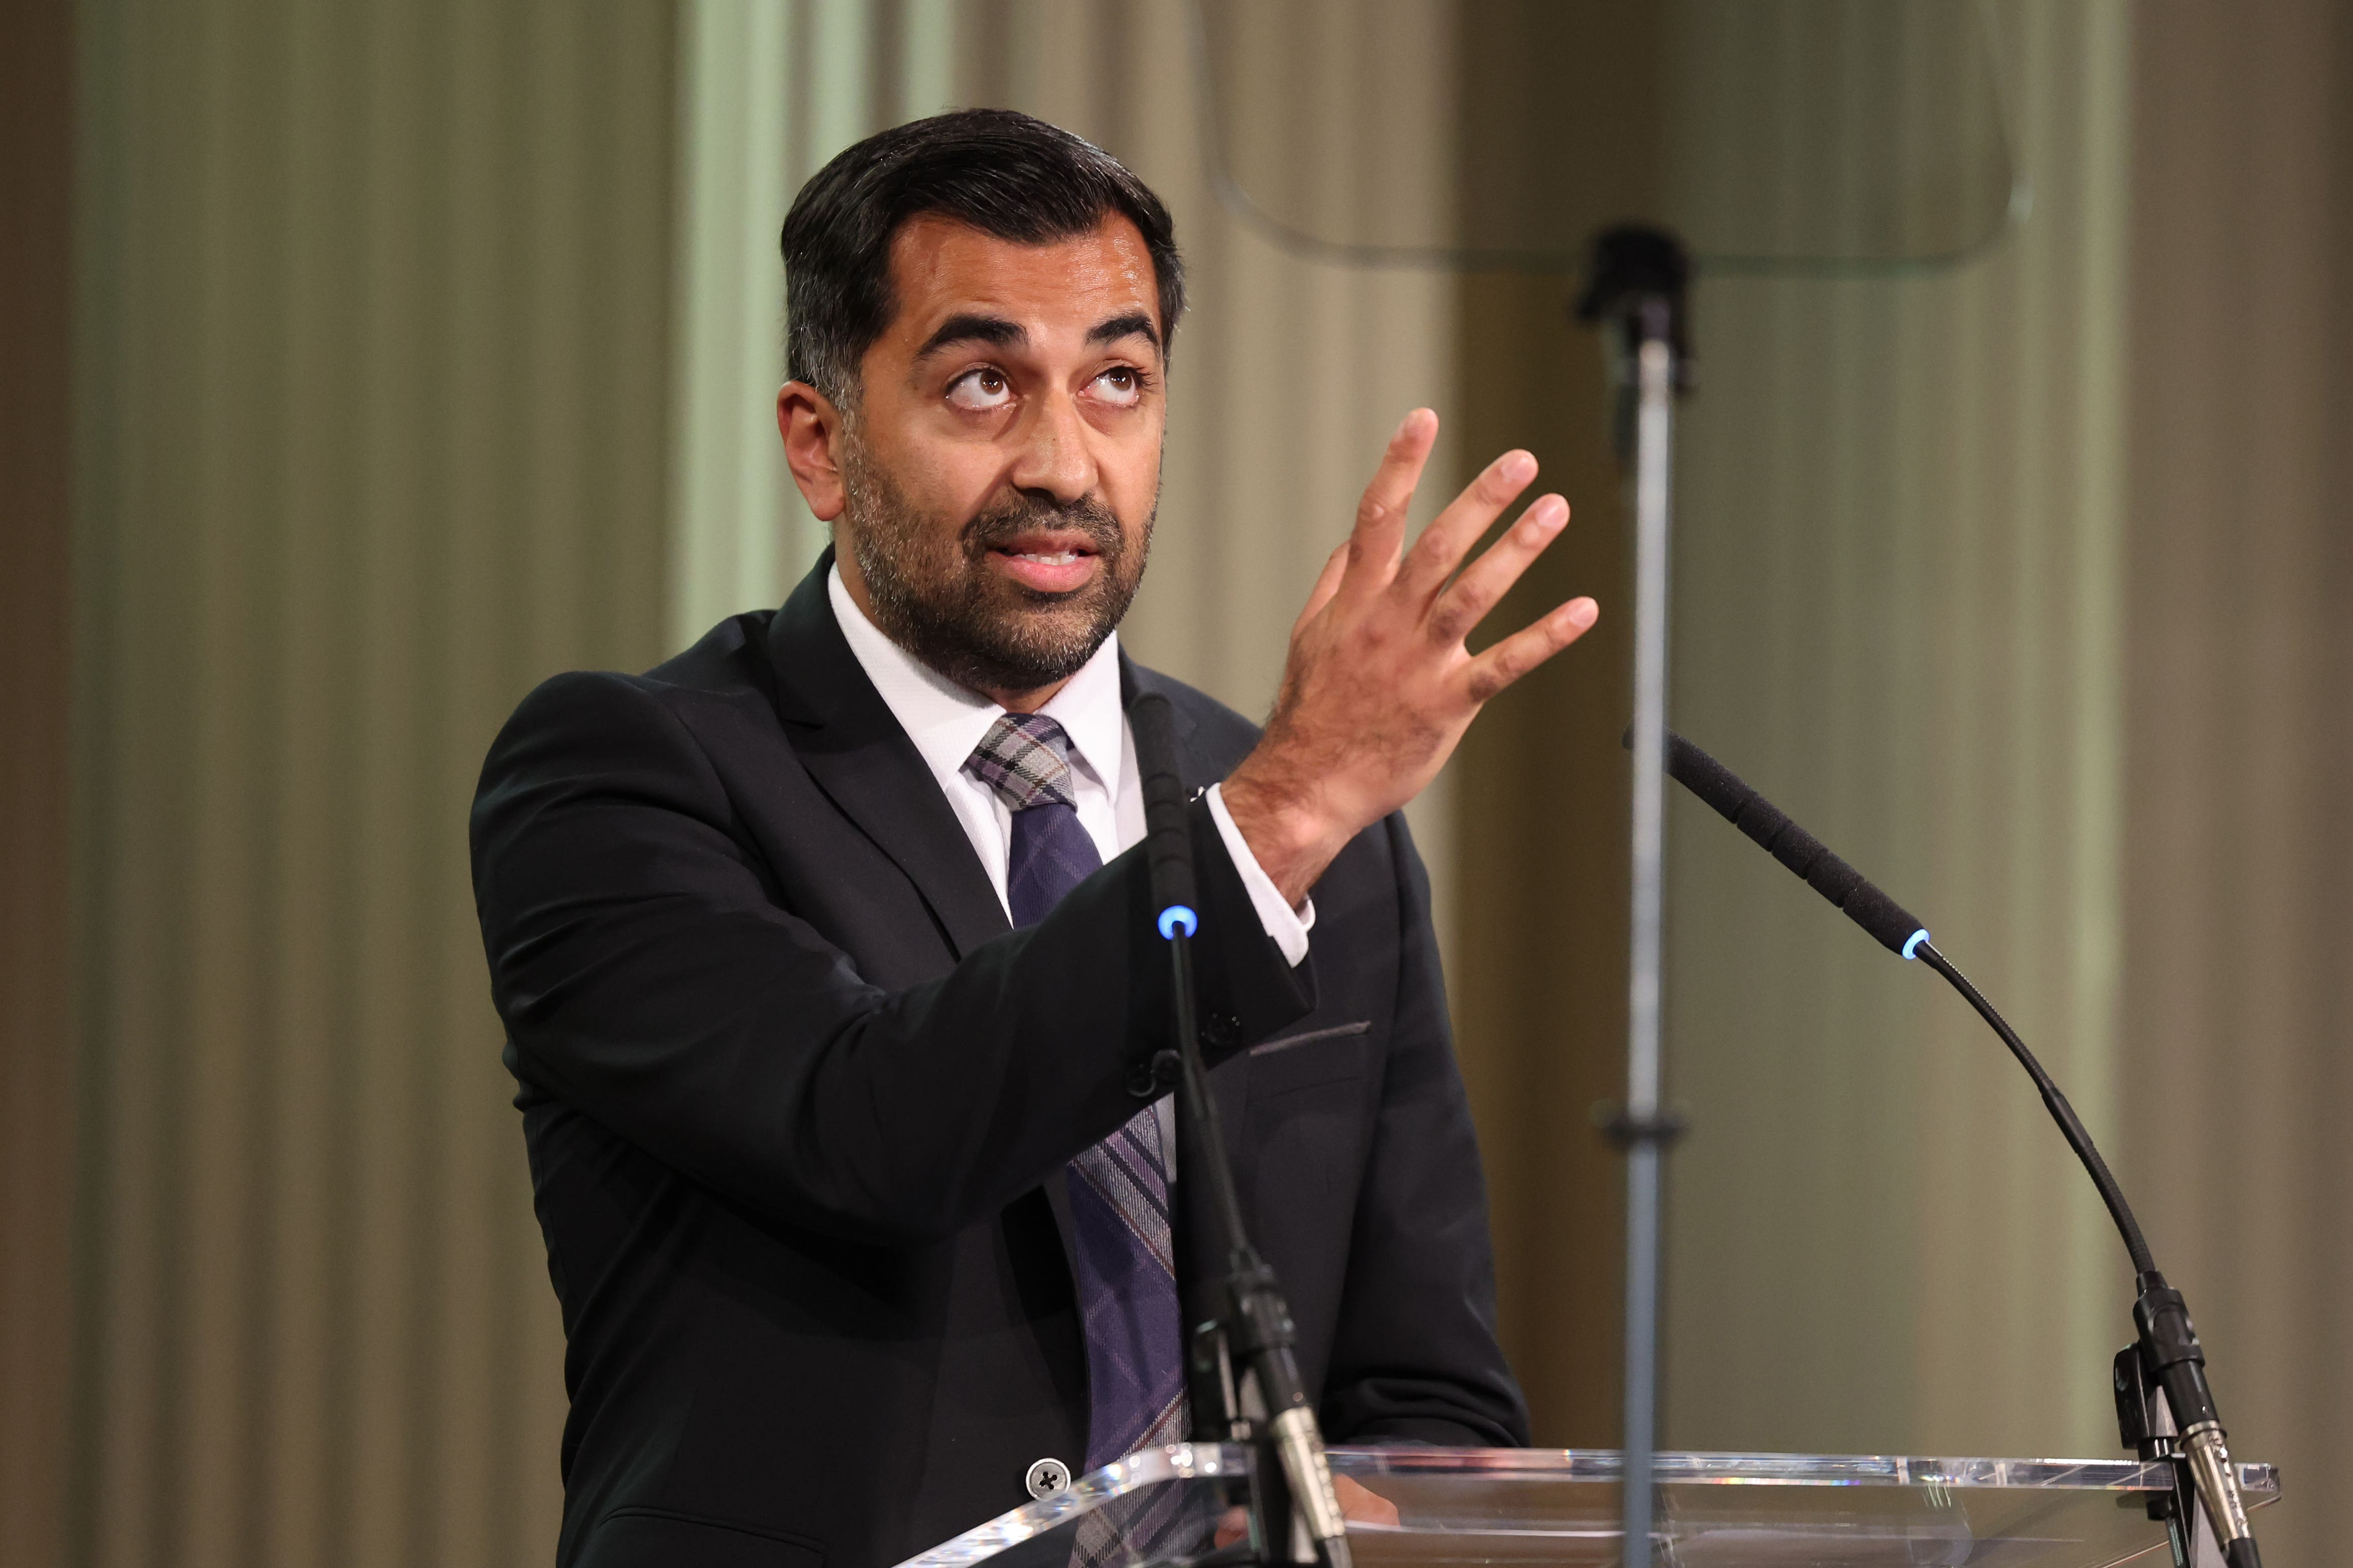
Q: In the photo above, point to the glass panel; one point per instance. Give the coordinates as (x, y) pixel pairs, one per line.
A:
(1158, 1505)
(1769, 133)
(1462, 1506)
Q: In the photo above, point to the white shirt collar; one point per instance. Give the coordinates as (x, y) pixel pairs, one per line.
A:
(946, 722)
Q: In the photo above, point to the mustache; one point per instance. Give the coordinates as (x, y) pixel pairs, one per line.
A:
(1001, 525)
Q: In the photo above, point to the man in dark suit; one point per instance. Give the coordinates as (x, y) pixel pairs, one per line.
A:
(824, 957)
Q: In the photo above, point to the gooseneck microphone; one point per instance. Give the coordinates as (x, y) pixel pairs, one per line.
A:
(1245, 1381)
(2168, 1360)
(1792, 845)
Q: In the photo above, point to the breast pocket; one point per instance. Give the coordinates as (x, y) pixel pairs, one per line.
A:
(1309, 1059)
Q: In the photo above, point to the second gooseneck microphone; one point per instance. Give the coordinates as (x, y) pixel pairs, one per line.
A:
(1795, 847)
(2167, 1354)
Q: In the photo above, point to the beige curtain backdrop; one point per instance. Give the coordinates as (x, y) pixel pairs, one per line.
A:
(2237, 1018)
(423, 351)
(768, 90)
(36, 1128)
(372, 404)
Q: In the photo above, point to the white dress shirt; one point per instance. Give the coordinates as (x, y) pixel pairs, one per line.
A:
(946, 723)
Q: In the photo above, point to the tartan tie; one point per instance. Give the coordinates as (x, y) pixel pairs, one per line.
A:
(1125, 1262)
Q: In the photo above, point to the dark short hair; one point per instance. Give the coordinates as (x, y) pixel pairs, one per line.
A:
(1001, 172)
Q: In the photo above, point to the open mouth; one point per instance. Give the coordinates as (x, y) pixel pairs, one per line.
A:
(1054, 562)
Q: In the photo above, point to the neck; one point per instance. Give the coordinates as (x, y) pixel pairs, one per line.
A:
(1023, 701)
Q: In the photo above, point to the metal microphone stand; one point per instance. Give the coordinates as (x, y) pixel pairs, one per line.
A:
(1243, 1378)
(1636, 294)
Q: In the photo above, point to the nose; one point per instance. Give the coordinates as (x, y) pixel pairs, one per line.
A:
(1055, 456)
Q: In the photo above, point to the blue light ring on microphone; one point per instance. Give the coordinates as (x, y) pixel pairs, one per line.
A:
(1912, 943)
(1177, 915)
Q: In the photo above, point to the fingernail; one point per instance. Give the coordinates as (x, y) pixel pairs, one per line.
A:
(1583, 612)
(1518, 468)
(1407, 425)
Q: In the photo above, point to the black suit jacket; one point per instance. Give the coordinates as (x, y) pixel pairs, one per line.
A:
(797, 1103)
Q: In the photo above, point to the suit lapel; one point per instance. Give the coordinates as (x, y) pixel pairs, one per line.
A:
(1197, 771)
(845, 735)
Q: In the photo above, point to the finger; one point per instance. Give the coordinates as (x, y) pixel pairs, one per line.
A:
(1452, 534)
(1327, 583)
(1528, 647)
(1464, 603)
(1379, 536)
(1360, 1506)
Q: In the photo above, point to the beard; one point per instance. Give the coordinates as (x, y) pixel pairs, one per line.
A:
(934, 594)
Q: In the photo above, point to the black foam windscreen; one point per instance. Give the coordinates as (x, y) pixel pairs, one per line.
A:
(1789, 843)
(1167, 838)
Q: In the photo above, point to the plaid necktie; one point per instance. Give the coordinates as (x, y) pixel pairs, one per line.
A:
(1118, 1189)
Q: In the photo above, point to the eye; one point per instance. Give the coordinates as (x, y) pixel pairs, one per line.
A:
(980, 390)
(1122, 386)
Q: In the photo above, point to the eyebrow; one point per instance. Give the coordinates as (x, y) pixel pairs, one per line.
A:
(972, 327)
(1135, 323)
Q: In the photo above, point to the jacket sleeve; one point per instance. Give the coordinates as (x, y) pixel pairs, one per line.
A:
(649, 977)
(1415, 1358)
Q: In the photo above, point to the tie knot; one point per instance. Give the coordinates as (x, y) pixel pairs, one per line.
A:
(1024, 758)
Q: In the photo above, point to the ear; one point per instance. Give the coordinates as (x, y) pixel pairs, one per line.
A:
(811, 427)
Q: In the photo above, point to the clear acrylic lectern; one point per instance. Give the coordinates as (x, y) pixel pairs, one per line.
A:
(1560, 1506)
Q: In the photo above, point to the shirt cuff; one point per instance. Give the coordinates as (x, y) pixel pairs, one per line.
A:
(1288, 927)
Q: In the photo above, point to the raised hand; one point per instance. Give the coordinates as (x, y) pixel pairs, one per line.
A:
(1379, 687)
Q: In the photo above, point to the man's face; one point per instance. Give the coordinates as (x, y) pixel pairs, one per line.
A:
(998, 476)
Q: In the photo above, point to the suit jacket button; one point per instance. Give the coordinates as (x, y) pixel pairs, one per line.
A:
(1221, 1031)
(1141, 1082)
(1047, 1476)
